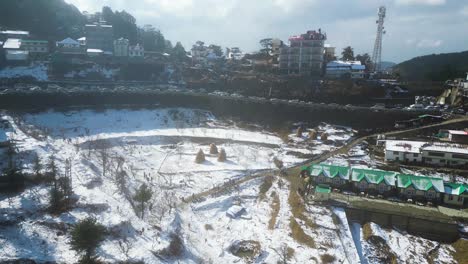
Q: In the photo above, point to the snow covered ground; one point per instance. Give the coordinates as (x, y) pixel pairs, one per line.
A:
(37, 71)
(158, 147)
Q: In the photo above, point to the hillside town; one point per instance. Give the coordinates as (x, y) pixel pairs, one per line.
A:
(117, 146)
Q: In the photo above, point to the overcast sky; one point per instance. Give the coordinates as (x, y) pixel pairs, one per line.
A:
(414, 27)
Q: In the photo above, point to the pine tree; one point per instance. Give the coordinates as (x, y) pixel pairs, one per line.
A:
(37, 166)
(143, 195)
(86, 237)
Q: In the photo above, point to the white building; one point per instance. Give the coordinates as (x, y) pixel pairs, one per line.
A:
(339, 69)
(13, 52)
(136, 51)
(234, 53)
(405, 151)
(121, 47)
(443, 154)
(68, 43)
(35, 46)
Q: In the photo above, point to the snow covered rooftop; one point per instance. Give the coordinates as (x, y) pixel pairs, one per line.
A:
(14, 32)
(458, 132)
(404, 146)
(12, 43)
(445, 147)
(418, 146)
(68, 41)
(94, 51)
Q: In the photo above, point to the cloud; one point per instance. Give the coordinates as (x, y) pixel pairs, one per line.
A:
(429, 43)
(413, 26)
(420, 2)
(464, 10)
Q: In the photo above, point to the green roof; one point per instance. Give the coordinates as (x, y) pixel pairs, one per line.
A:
(455, 188)
(422, 183)
(373, 176)
(322, 189)
(40, 41)
(330, 171)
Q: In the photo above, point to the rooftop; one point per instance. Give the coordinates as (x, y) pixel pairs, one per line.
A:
(404, 146)
(422, 183)
(15, 32)
(446, 147)
(458, 132)
(330, 171)
(12, 43)
(322, 189)
(456, 188)
(373, 176)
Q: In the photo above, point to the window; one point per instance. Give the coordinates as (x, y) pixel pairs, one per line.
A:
(460, 198)
(428, 159)
(415, 155)
(396, 153)
(397, 158)
(436, 154)
(450, 197)
(460, 156)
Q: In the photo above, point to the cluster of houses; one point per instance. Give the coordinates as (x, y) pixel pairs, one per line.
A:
(385, 183)
(20, 46)
(433, 153)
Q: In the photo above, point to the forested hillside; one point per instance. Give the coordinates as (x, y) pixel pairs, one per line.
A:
(46, 19)
(435, 67)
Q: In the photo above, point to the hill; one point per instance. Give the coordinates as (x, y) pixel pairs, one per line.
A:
(46, 19)
(435, 67)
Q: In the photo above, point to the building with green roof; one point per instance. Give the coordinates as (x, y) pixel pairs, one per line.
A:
(322, 192)
(420, 187)
(370, 180)
(336, 176)
(456, 194)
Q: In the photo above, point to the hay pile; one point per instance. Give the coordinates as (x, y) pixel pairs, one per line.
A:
(222, 155)
(213, 149)
(200, 157)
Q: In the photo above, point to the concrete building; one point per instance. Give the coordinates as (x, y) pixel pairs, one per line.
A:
(16, 34)
(458, 136)
(136, 51)
(69, 46)
(456, 194)
(329, 53)
(234, 53)
(13, 52)
(340, 69)
(82, 41)
(304, 55)
(100, 36)
(442, 154)
(276, 45)
(35, 47)
(121, 47)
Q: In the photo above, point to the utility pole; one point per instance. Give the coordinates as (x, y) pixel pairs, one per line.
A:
(377, 54)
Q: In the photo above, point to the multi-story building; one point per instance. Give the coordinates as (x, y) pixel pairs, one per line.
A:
(370, 180)
(329, 53)
(234, 53)
(304, 55)
(420, 187)
(442, 154)
(35, 46)
(339, 69)
(13, 52)
(121, 47)
(15, 34)
(99, 36)
(136, 51)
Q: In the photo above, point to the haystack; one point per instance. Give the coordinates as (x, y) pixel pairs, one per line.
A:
(324, 136)
(222, 155)
(213, 149)
(313, 134)
(200, 157)
(299, 131)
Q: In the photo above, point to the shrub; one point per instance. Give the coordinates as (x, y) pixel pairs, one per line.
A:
(222, 155)
(299, 131)
(278, 163)
(327, 258)
(200, 157)
(313, 134)
(213, 149)
(324, 136)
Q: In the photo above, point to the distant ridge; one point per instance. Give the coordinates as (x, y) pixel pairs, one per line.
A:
(435, 67)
